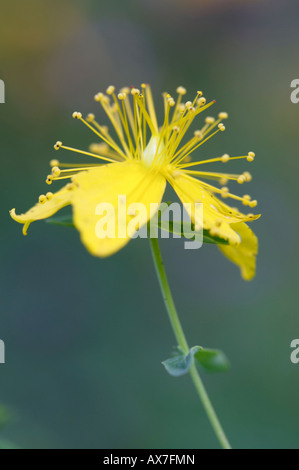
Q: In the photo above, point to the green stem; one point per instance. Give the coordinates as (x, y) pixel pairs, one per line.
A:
(180, 336)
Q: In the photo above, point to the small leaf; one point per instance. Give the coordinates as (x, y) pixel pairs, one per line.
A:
(211, 359)
(179, 364)
(65, 220)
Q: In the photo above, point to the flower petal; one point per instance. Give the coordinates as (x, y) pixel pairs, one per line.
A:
(217, 216)
(104, 186)
(42, 211)
(243, 255)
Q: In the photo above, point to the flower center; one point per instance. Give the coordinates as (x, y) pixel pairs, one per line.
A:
(153, 153)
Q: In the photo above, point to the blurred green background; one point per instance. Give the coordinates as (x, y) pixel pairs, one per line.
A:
(85, 337)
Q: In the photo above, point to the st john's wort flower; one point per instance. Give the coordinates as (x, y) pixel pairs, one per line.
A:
(139, 161)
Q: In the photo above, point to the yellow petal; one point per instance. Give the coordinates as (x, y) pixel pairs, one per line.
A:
(243, 255)
(41, 211)
(109, 185)
(217, 216)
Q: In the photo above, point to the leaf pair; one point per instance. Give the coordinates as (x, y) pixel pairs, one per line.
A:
(210, 359)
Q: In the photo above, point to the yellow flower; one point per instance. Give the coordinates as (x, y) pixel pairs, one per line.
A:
(138, 162)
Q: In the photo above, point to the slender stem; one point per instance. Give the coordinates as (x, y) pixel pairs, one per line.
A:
(180, 336)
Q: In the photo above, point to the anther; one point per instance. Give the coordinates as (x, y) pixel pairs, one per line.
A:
(225, 158)
(101, 147)
(241, 179)
(224, 192)
(188, 104)
(49, 179)
(56, 171)
(57, 145)
(125, 90)
(253, 203)
(90, 117)
(54, 163)
(181, 90)
(121, 96)
(77, 115)
(199, 94)
(98, 96)
(198, 134)
(223, 116)
(105, 100)
(42, 199)
(176, 129)
(221, 127)
(201, 101)
(135, 91)
(49, 196)
(247, 176)
(223, 181)
(209, 120)
(251, 156)
(246, 199)
(171, 102)
(110, 90)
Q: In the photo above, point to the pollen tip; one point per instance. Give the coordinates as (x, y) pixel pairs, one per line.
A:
(110, 90)
(57, 145)
(225, 158)
(251, 156)
(223, 115)
(201, 101)
(49, 179)
(90, 117)
(253, 203)
(98, 97)
(209, 120)
(56, 171)
(77, 115)
(181, 90)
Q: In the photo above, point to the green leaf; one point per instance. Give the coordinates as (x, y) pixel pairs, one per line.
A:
(180, 363)
(174, 227)
(177, 228)
(65, 220)
(211, 359)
